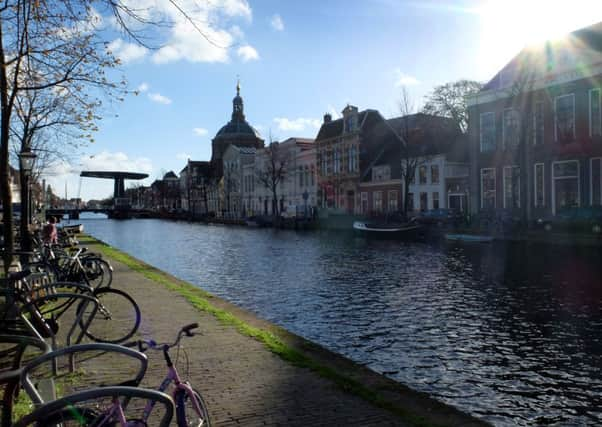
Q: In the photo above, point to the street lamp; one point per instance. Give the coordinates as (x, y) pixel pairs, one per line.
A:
(26, 161)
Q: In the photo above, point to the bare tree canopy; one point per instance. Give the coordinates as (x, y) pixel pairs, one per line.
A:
(56, 68)
(449, 100)
(273, 171)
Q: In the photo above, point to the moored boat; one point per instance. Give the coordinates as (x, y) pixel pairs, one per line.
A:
(388, 230)
(75, 228)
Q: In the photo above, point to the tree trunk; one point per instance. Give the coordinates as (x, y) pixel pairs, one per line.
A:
(7, 214)
(406, 197)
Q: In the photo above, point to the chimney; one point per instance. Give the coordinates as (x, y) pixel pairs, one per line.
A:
(327, 118)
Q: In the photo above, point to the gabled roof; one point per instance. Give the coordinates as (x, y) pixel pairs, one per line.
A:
(577, 50)
(334, 128)
(170, 174)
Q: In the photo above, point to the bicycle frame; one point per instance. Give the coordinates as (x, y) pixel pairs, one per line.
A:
(172, 376)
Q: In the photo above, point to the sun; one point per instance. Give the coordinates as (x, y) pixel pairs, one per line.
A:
(509, 25)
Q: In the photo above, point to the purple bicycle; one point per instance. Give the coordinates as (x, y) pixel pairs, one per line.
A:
(191, 409)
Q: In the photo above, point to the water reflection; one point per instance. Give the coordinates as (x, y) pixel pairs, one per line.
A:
(509, 333)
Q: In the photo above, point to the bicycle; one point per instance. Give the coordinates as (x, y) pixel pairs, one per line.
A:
(191, 409)
(116, 315)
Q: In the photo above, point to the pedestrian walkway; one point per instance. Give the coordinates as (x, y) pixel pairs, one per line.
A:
(244, 383)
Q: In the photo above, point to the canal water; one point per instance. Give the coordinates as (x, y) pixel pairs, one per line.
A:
(509, 333)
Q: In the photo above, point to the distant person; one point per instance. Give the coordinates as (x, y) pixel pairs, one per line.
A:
(49, 232)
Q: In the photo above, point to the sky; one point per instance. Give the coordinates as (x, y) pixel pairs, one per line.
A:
(296, 61)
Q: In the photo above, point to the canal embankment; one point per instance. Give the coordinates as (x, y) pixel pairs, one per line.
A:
(253, 372)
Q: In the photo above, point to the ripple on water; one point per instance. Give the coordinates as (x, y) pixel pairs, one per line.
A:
(510, 334)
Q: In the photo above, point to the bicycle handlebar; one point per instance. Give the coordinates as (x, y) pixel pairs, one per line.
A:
(144, 345)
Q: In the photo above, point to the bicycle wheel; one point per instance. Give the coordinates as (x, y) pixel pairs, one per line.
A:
(98, 272)
(186, 415)
(117, 318)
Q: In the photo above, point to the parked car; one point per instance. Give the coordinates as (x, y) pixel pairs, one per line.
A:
(439, 217)
(585, 218)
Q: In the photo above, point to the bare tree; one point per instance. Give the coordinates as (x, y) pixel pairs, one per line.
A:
(41, 116)
(413, 154)
(60, 46)
(273, 172)
(520, 126)
(449, 100)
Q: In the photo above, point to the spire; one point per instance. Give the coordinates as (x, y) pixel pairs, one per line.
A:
(237, 105)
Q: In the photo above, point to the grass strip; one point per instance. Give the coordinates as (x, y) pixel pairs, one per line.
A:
(200, 299)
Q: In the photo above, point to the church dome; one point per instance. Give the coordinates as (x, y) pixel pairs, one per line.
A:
(237, 126)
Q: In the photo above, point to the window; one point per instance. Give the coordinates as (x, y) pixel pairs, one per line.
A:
(352, 159)
(364, 199)
(378, 201)
(436, 200)
(487, 137)
(565, 184)
(510, 128)
(538, 123)
(434, 174)
(595, 113)
(511, 187)
(488, 188)
(596, 181)
(300, 176)
(392, 200)
(539, 185)
(306, 175)
(349, 123)
(565, 118)
(312, 174)
(337, 161)
(422, 175)
(424, 201)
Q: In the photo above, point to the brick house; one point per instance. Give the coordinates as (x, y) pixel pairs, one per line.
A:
(441, 160)
(346, 148)
(535, 130)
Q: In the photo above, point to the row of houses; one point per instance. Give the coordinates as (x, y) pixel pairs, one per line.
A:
(348, 168)
(533, 145)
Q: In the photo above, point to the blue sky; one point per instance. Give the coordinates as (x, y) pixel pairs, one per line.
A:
(297, 60)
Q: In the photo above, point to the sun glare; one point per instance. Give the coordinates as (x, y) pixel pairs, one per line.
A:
(509, 25)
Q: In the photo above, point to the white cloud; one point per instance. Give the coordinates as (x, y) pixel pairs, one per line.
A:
(247, 53)
(126, 52)
(118, 161)
(158, 98)
(143, 87)
(402, 79)
(298, 124)
(205, 34)
(277, 23)
(200, 131)
(183, 156)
